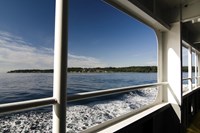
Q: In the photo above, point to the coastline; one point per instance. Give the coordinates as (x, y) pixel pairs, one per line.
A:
(142, 69)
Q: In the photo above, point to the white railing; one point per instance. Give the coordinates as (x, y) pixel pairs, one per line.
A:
(93, 94)
(193, 85)
(24, 105)
(60, 65)
(59, 90)
(31, 104)
(186, 78)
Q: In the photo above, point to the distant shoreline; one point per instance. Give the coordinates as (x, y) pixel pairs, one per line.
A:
(142, 69)
(146, 69)
(31, 71)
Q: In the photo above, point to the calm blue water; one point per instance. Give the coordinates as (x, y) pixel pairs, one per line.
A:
(185, 75)
(81, 115)
(18, 87)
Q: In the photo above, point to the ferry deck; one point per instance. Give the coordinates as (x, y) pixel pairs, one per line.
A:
(176, 24)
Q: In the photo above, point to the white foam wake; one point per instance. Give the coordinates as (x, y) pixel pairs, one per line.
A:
(79, 117)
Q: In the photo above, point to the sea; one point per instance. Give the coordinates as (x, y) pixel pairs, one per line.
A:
(80, 115)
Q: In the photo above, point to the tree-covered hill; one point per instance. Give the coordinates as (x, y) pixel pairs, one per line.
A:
(143, 69)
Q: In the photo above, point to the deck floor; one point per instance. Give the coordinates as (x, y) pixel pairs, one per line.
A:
(195, 125)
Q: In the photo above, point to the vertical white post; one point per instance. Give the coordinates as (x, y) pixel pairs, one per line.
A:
(171, 66)
(60, 49)
(190, 68)
(198, 69)
(196, 65)
(160, 73)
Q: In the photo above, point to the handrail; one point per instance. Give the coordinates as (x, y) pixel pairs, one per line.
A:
(191, 78)
(186, 78)
(24, 105)
(93, 94)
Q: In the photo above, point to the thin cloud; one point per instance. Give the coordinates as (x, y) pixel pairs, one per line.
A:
(151, 63)
(16, 53)
(84, 61)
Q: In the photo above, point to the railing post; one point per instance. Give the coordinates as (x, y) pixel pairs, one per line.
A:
(60, 54)
(196, 72)
(190, 68)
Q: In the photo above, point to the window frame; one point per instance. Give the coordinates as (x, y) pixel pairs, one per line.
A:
(190, 78)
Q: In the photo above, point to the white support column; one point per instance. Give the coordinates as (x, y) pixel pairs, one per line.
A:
(198, 69)
(190, 68)
(170, 65)
(60, 50)
(196, 72)
(160, 64)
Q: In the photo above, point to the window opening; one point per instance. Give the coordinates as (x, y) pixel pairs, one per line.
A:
(26, 62)
(106, 53)
(185, 68)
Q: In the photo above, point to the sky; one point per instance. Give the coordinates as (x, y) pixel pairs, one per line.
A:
(98, 36)
(26, 34)
(108, 37)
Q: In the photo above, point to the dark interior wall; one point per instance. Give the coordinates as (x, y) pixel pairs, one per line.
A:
(162, 121)
(190, 107)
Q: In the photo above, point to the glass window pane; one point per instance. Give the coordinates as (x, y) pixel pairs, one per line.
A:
(26, 49)
(107, 49)
(193, 69)
(185, 68)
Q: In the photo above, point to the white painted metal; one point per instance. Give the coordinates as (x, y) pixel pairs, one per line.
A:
(60, 49)
(186, 78)
(124, 120)
(190, 50)
(196, 66)
(185, 44)
(170, 48)
(140, 14)
(190, 68)
(198, 70)
(169, 67)
(24, 105)
(160, 66)
(87, 95)
(190, 10)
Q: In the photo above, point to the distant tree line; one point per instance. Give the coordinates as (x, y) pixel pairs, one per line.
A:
(32, 71)
(144, 69)
(185, 69)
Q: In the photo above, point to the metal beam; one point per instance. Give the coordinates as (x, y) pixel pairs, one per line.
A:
(170, 63)
(25, 105)
(190, 68)
(60, 54)
(93, 94)
(139, 12)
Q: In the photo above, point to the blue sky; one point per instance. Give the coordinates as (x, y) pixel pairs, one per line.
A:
(102, 32)
(26, 34)
(99, 36)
